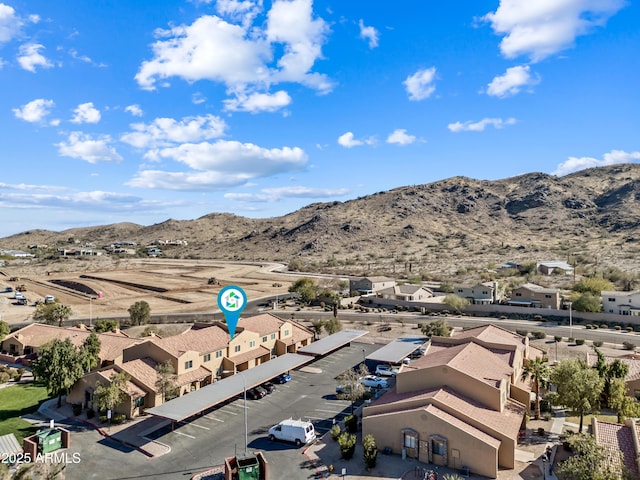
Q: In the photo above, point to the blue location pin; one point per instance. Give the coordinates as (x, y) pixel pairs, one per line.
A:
(232, 300)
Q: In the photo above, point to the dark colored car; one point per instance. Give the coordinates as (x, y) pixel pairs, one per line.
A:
(256, 393)
(284, 378)
(269, 387)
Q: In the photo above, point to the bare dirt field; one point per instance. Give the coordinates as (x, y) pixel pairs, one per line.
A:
(100, 288)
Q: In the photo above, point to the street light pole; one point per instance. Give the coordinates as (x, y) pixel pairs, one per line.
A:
(570, 321)
(244, 388)
(90, 310)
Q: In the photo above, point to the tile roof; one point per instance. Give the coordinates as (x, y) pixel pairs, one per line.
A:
(537, 288)
(194, 375)
(250, 355)
(202, 340)
(130, 388)
(464, 426)
(143, 370)
(262, 324)
(492, 334)
(618, 438)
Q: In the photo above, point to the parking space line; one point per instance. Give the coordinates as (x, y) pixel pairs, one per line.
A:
(327, 411)
(185, 435)
(213, 418)
(195, 425)
(231, 413)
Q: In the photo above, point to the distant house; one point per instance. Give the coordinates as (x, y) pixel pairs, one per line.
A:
(554, 268)
(408, 293)
(531, 295)
(619, 441)
(480, 294)
(369, 285)
(16, 253)
(621, 303)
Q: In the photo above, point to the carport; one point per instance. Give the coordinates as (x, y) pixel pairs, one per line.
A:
(398, 350)
(195, 402)
(332, 342)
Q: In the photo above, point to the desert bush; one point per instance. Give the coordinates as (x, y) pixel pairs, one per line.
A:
(76, 408)
(617, 327)
(351, 423)
(628, 345)
(335, 432)
(539, 335)
(522, 333)
(370, 451)
(597, 343)
(347, 443)
(558, 338)
(579, 341)
(91, 413)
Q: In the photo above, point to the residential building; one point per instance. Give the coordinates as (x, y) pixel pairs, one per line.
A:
(554, 268)
(462, 404)
(480, 294)
(621, 303)
(406, 292)
(620, 442)
(531, 295)
(369, 285)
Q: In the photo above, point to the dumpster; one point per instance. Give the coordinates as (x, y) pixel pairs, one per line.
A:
(49, 440)
(248, 468)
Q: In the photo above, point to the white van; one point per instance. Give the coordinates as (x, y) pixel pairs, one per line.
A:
(49, 299)
(296, 431)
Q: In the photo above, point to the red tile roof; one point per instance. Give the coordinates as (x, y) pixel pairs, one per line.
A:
(202, 340)
(618, 438)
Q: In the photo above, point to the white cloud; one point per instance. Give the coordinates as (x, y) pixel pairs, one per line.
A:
(573, 164)
(348, 140)
(104, 201)
(369, 33)
(542, 28)
(10, 23)
(512, 82)
(86, 113)
(400, 137)
(481, 125)
(198, 98)
(35, 111)
(244, 56)
(258, 102)
(29, 57)
(278, 193)
(164, 132)
(239, 10)
(220, 164)
(134, 110)
(420, 85)
(85, 147)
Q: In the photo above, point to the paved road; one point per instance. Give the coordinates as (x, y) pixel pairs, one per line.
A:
(219, 433)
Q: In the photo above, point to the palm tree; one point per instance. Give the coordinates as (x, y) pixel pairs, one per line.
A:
(538, 370)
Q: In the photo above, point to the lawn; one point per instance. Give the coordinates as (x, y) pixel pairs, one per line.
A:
(603, 417)
(19, 400)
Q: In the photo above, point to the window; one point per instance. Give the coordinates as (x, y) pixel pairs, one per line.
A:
(264, 339)
(138, 402)
(547, 296)
(218, 353)
(236, 348)
(518, 294)
(286, 333)
(188, 364)
(437, 446)
(612, 299)
(410, 440)
(252, 343)
(273, 336)
(636, 393)
(459, 290)
(207, 358)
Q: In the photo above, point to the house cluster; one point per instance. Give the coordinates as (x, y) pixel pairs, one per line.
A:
(199, 356)
(462, 404)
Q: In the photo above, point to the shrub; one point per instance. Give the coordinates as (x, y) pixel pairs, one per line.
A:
(617, 327)
(629, 328)
(579, 341)
(539, 335)
(537, 317)
(335, 432)
(558, 338)
(91, 413)
(597, 343)
(347, 443)
(522, 333)
(628, 345)
(370, 451)
(4, 377)
(571, 339)
(604, 325)
(351, 423)
(118, 418)
(76, 408)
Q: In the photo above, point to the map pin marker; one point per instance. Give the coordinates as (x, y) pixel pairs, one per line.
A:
(232, 300)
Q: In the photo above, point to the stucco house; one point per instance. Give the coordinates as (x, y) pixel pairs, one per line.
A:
(555, 267)
(480, 294)
(407, 293)
(369, 285)
(621, 303)
(462, 404)
(531, 295)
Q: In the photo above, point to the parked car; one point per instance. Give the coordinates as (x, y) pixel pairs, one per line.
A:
(284, 378)
(8, 289)
(256, 393)
(373, 381)
(269, 387)
(385, 370)
(49, 299)
(296, 431)
(419, 353)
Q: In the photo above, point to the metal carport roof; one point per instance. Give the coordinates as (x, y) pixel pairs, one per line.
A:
(396, 351)
(211, 395)
(332, 342)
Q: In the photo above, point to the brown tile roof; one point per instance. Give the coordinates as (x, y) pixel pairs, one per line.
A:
(267, 323)
(469, 358)
(38, 334)
(618, 438)
(250, 355)
(633, 363)
(143, 370)
(195, 375)
(492, 334)
(462, 425)
(130, 388)
(203, 340)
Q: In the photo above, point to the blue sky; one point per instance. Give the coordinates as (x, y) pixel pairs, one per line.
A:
(143, 111)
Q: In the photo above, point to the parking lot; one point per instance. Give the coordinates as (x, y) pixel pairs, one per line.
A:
(205, 440)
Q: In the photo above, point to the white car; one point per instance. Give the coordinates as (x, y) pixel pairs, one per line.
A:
(385, 370)
(373, 381)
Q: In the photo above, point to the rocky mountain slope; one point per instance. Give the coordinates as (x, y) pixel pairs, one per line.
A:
(441, 226)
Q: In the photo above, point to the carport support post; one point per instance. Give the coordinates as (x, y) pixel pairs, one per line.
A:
(244, 388)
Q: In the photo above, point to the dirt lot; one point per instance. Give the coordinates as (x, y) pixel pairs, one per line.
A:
(169, 286)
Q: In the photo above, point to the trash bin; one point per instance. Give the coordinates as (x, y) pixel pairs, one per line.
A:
(49, 440)
(464, 471)
(248, 468)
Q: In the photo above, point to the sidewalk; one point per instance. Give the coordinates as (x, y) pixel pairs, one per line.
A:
(131, 433)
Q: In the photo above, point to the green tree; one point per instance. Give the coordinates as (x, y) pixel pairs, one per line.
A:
(332, 326)
(438, 328)
(608, 372)
(538, 371)
(593, 285)
(619, 399)
(4, 329)
(58, 366)
(105, 325)
(578, 386)
(587, 302)
(446, 286)
(591, 461)
(107, 397)
(306, 287)
(370, 450)
(166, 381)
(139, 313)
(51, 313)
(349, 380)
(90, 352)
(455, 301)
(317, 326)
